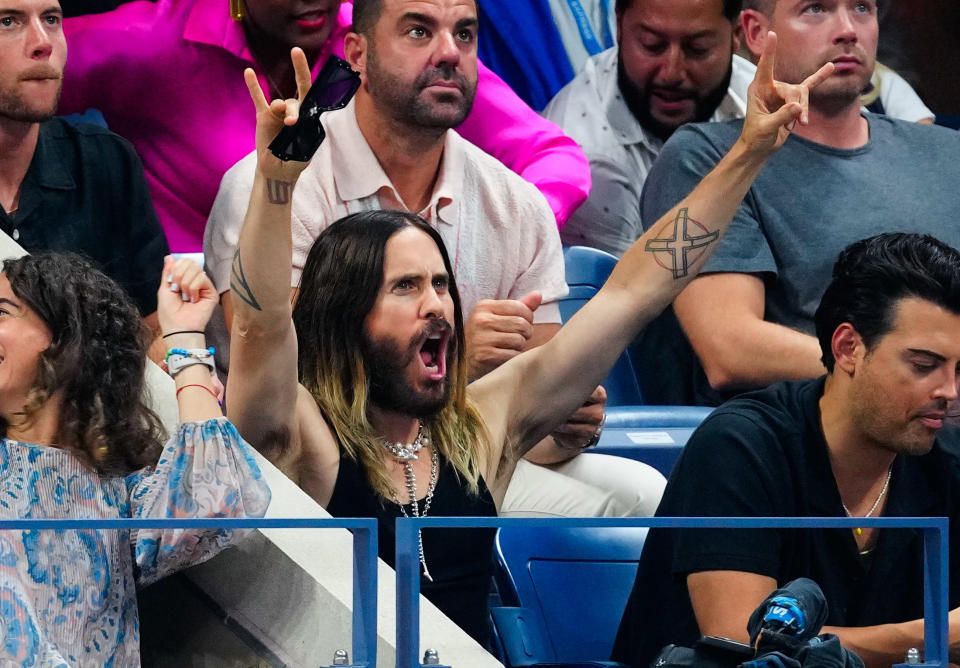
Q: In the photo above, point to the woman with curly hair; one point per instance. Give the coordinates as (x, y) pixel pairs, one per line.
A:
(80, 443)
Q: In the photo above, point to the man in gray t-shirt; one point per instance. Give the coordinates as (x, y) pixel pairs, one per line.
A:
(841, 177)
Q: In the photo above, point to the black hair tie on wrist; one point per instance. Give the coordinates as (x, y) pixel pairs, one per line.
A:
(185, 331)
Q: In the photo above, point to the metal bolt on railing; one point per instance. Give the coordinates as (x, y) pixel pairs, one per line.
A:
(341, 658)
(431, 658)
(913, 657)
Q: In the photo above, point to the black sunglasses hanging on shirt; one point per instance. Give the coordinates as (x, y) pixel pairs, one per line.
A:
(331, 90)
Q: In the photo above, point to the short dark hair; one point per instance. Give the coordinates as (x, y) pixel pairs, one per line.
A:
(731, 8)
(96, 361)
(871, 276)
(366, 13)
(763, 6)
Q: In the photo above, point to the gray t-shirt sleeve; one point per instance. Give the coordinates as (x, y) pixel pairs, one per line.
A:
(686, 158)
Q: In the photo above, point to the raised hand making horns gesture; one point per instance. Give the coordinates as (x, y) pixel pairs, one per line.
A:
(773, 107)
(274, 115)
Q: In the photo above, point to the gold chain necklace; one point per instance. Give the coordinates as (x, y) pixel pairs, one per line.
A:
(876, 504)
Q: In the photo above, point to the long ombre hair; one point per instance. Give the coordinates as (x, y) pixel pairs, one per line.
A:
(339, 287)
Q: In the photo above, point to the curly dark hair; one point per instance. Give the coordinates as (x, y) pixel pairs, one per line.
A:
(96, 361)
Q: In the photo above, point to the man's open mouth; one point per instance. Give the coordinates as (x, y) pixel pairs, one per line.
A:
(433, 354)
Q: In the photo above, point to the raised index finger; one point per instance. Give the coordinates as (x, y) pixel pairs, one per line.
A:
(256, 93)
(767, 57)
(301, 69)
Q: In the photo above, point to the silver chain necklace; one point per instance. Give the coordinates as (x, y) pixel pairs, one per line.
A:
(876, 503)
(406, 453)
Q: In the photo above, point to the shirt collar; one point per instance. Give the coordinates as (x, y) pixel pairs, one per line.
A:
(358, 173)
(49, 167)
(210, 23)
(448, 190)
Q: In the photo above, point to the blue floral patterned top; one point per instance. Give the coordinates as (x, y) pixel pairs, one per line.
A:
(68, 598)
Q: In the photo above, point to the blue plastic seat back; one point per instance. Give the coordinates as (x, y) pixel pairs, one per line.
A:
(574, 583)
(587, 269)
(90, 116)
(664, 417)
(654, 435)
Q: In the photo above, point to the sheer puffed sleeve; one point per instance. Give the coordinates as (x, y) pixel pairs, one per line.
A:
(206, 470)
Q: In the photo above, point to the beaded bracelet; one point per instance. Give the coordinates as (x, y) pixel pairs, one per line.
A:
(199, 353)
(177, 359)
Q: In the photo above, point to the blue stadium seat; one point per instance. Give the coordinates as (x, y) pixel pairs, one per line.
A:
(586, 271)
(91, 116)
(664, 417)
(654, 435)
(951, 121)
(567, 589)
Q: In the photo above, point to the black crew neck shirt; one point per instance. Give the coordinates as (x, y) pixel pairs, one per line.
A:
(764, 454)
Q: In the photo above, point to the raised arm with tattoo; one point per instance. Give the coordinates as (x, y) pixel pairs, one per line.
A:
(264, 344)
(558, 375)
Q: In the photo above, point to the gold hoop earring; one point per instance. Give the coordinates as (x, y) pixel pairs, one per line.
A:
(236, 10)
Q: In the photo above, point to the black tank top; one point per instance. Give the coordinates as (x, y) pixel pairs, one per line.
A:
(460, 560)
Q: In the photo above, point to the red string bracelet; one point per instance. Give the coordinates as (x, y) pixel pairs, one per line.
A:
(181, 389)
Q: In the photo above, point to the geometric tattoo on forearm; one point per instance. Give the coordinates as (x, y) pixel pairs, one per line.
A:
(679, 246)
(278, 192)
(239, 285)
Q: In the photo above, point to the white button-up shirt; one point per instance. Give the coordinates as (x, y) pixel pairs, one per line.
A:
(498, 229)
(592, 111)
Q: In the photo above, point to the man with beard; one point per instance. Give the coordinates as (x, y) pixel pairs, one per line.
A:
(749, 316)
(68, 187)
(393, 147)
(359, 392)
(673, 64)
(866, 440)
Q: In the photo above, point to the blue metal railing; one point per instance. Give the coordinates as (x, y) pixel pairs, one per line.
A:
(364, 651)
(935, 562)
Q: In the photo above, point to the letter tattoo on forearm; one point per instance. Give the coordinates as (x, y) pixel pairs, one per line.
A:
(239, 285)
(278, 192)
(679, 246)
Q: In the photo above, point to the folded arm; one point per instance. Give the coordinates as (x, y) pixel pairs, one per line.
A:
(724, 600)
(736, 346)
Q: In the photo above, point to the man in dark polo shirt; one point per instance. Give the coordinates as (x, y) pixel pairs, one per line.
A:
(865, 440)
(68, 187)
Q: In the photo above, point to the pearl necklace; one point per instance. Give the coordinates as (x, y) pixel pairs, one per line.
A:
(406, 453)
(876, 503)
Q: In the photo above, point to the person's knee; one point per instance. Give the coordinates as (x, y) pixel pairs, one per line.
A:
(589, 485)
(634, 488)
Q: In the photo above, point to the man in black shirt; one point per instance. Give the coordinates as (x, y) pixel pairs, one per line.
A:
(62, 187)
(864, 441)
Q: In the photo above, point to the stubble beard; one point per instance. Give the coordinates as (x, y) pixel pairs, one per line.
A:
(403, 102)
(837, 94)
(888, 433)
(14, 107)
